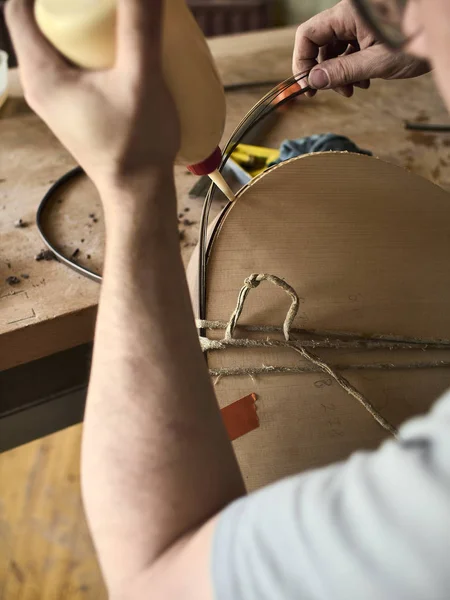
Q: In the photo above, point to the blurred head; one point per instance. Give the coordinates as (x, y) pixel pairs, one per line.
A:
(419, 27)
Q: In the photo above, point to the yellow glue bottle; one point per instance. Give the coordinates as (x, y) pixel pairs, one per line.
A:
(85, 32)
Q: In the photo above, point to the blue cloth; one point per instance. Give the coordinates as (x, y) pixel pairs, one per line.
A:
(322, 142)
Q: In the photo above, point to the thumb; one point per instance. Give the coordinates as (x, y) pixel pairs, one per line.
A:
(34, 52)
(350, 68)
(42, 68)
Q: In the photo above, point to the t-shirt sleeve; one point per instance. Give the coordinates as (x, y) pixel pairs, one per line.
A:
(376, 527)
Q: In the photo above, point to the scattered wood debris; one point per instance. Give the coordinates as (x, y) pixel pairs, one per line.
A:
(436, 172)
(25, 276)
(20, 224)
(421, 138)
(75, 253)
(422, 117)
(187, 209)
(181, 235)
(88, 257)
(45, 255)
(12, 280)
(8, 264)
(188, 223)
(82, 240)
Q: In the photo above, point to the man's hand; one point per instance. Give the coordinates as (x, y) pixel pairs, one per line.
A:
(342, 51)
(116, 123)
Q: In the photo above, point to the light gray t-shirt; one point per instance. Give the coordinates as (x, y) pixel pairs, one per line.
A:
(376, 527)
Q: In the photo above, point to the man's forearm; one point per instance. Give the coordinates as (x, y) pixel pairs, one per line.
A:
(154, 443)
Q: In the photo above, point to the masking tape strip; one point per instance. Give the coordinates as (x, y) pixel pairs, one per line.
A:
(240, 417)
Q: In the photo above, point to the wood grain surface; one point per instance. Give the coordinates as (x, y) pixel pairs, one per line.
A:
(45, 547)
(56, 307)
(365, 253)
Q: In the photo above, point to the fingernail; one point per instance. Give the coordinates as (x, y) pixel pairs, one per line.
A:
(319, 79)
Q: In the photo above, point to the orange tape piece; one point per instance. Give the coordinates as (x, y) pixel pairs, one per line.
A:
(240, 417)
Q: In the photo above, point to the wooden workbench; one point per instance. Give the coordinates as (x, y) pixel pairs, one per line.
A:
(45, 548)
(54, 308)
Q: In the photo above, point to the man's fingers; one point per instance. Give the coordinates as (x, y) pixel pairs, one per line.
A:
(38, 59)
(303, 67)
(327, 43)
(349, 69)
(321, 31)
(139, 32)
(306, 49)
(345, 90)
